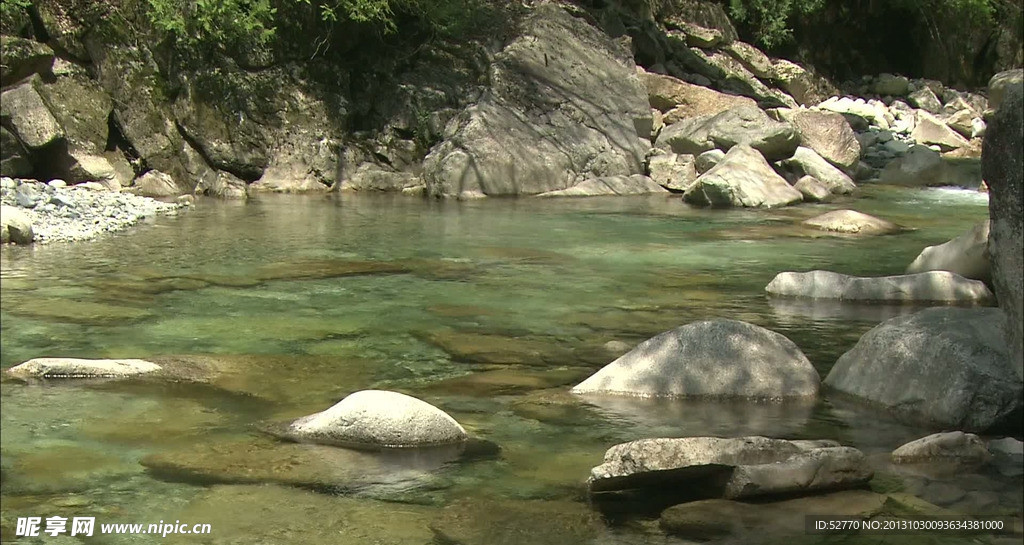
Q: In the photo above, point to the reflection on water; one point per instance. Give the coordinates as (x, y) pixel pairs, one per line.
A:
(488, 309)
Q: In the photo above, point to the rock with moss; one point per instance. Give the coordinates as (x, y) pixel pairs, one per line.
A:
(20, 58)
(1002, 167)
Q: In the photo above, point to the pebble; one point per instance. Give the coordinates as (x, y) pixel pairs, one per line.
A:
(62, 213)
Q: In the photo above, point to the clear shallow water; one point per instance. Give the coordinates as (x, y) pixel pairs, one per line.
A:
(488, 309)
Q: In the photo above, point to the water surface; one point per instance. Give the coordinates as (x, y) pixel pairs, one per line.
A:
(489, 309)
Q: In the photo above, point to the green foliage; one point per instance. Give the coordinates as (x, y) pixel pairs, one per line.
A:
(238, 23)
(222, 22)
(770, 20)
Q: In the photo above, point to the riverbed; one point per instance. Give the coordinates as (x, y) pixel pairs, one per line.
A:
(489, 309)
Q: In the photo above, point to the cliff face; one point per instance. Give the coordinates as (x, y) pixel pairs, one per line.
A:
(543, 97)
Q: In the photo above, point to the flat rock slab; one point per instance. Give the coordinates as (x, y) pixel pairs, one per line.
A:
(471, 347)
(635, 184)
(52, 368)
(852, 222)
(954, 446)
(932, 286)
(718, 358)
(374, 419)
(277, 514)
(713, 519)
(693, 468)
(487, 521)
(941, 366)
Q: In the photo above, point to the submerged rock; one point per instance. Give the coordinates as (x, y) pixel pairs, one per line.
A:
(374, 419)
(670, 471)
(954, 446)
(932, 286)
(966, 255)
(851, 222)
(944, 366)
(488, 521)
(711, 519)
(637, 184)
(742, 178)
(719, 358)
(81, 368)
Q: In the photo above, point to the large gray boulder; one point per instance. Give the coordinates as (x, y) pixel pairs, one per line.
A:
(805, 86)
(717, 358)
(807, 162)
(812, 189)
(966, 255)
(636, 184)
(695, 468)
(155, 184)
(746, 125)
(827, 133)
(41, 368)
(742, 178)
(920, 166)
(941, 366)
(565, 105)
(23, 111)
(373, 419)
(15, 226)
(1000, 82)
(1003, 169)
(932, 286)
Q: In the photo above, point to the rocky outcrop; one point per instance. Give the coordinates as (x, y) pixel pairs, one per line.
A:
(953, 446)
(636, 184)
(374, 419)
(565, 105)
(934, 286)
(942, 366)
(719, 358)
(678, 99)
(21, 58)
(50, 368)
(966, 255)
(852, 222)
(671, 471)
(745, 125)
(742, 178)
(1003, 169)
(999, 83)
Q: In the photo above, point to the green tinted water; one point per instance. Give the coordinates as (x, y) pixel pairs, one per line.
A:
(488, 309)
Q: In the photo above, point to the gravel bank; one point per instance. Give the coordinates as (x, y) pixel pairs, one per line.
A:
(71, 213)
